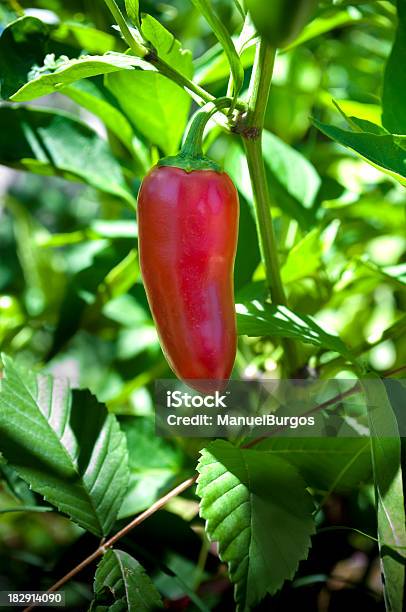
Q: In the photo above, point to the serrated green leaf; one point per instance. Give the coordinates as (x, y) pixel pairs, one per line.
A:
(257, 508)
(381, 151)
(261, 319)
(56, 143)
(393, 96)
(324, 462)
(386, 463)
(157, 107)
(65, 445)
(120, 577)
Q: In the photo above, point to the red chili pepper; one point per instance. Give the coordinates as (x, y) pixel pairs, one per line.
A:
(188, 225)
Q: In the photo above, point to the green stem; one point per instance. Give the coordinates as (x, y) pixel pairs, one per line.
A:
(137, 48)
(259, 92)
(191, 157)
(252, 136)
(267, 235)
(144, 52)
(193, 145)
(166, 70)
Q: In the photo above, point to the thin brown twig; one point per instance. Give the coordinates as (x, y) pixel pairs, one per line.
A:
(120, 534)
(396, 371)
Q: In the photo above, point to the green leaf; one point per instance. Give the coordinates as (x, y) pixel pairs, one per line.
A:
(154, 464)
(133, 11)
(257, 508)
(84, 37)
(56, 143)
(330, 20)
(92, 95)
(293, 180)
(121, 585)
(96, 98)
(213, 65)
(43, 279)
(386, 462)
(206, 9)
(16, 485)
(57, 73)
(65, 445)
(324, 462)
(157, 107)
(22, 45)
(393, 97)
(261, 319)
(304, 259)
(296, 174)
(385, 152)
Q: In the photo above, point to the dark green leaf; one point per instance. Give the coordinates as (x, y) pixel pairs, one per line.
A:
(22, 45)
(121, 585)
(386, 462)
(154, 464)
(65, 445)
(393, 99)
(53, 142)
(257, 508)
(344, 463)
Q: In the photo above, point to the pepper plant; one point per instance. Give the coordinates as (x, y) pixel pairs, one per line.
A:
(304, 111)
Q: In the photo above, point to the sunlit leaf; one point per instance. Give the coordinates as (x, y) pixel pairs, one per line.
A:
(384, 151)
(133, 11)
(304, 259)
(261, 319)
(61, 72)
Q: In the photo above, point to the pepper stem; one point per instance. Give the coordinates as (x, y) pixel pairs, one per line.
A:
(191, 156)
